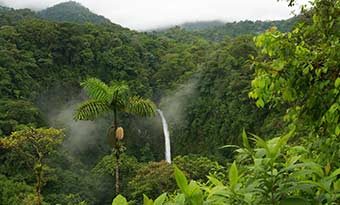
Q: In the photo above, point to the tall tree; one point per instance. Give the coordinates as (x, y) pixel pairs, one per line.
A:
(112, 98)
(300, 70)
(34, 145)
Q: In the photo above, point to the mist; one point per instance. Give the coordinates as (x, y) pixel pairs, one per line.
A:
(58, 105)
(81, 134)
(173, 105)
(152, 14)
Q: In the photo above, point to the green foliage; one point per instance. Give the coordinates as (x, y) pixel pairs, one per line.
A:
(115, 98)
(44, 142)
(197, 167)
(10, 16)
(218, 31)
(300, 72)
(72, 11)
(152, 180)
(62, 199)
(220, 108)
(119, 200)
(296, 76)
(111, 98)
(14, 114)
(104, 172)
(272, 172)
(159, 201)
(33, 146)
(14, 193)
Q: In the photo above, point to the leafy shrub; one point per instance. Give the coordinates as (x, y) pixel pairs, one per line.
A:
(197, 167)
(152, 180)
(14, 193)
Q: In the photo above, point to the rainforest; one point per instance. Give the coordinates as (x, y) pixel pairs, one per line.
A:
(203, 113)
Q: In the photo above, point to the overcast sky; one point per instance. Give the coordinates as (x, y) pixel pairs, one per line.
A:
(148, 14)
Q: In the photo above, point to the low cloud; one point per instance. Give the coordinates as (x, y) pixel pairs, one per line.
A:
(148, 14)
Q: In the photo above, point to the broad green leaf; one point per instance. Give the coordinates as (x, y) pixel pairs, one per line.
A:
(337, 130)
(215, 181)
(119, 200)
(233, 176)
(260, 103)
(261, 143)
(181, 180)
(281, 142)
(219, 191)
(229, 146)
(294, 201)
(299, 187)
(337, 82)
(160, 200)
(146, 200)
(245, 139)
(335, 173)
(292, 160)
(317, 184)
(195, 193)
(180, 199)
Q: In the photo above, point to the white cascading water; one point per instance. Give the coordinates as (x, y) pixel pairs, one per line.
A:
(166, 136)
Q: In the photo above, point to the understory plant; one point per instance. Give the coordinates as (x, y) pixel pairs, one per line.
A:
(264, 172)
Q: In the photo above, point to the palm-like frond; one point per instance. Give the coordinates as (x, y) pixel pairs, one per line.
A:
(119, 94)
(91, 109)
(140, 107)
(97, 89)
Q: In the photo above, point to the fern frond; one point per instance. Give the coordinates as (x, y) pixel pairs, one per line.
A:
(97, 89)
(91, 109)
(141, 107)
(119, 94)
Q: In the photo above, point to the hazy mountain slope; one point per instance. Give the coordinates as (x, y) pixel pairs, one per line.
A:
(9, 16)
(245, 27)
(72, 12)
(217, 30)
(3, 7)
(200, 25)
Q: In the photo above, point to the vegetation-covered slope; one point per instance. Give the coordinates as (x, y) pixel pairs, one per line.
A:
(72, 11)
(201, 83)
(217, 30)
(200, 25)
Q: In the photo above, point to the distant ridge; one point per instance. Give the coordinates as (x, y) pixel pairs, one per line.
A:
(73, 12)
(2, 7)
(199, 25)
(218, 30)
(10, 16)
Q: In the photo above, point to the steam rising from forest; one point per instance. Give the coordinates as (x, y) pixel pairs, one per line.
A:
(81, 135)
(173, 105)
(84, 135)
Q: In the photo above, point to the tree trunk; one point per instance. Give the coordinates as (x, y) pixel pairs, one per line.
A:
(39, 183)
(117, 153)
(117, 173)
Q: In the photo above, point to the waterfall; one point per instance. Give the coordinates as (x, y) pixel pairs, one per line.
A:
(166, 137)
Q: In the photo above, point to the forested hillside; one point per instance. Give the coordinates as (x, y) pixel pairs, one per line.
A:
(217, 30)
(72, 11)
(252, 107)
(200, 25)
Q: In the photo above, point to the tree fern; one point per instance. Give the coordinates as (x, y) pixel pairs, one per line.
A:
(114, 98)
(140, 107)
(119, 94)
(91, 109)
(96, 89)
